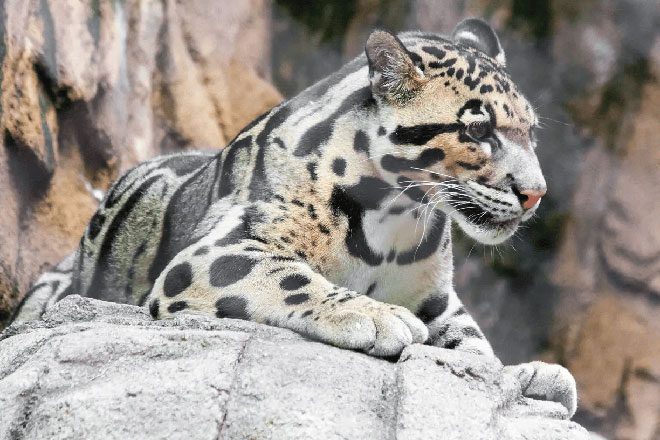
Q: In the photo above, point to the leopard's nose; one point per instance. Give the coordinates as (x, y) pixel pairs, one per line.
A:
(529, 198)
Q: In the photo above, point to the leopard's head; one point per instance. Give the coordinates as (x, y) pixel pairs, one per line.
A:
(458, 133)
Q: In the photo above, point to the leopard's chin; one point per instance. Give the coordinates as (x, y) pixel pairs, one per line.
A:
(490, 232)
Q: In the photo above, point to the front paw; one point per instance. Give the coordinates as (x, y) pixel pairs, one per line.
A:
(551, 382)
(377, 328)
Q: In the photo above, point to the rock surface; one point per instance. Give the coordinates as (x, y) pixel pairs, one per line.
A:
(92, 369)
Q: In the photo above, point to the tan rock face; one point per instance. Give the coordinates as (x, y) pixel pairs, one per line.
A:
(88, 89)
(609, 270)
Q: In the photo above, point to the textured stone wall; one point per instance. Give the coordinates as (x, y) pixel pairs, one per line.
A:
(90, 88)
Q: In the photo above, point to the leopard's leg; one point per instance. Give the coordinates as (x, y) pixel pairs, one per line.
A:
(542, 381)
(246, 279)
(449, 324)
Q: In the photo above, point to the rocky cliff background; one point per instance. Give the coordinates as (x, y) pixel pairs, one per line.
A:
(91, 87)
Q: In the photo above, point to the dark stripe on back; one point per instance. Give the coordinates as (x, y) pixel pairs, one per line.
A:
(103, 265)
(185, 163)
(259, 188)
(185, 209)
(318, 134)
(226, 184)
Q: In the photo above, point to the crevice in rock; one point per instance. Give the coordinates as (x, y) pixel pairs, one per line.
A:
(232, 388)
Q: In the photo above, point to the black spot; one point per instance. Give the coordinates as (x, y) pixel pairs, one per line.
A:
(298, 298)
(429, 244)
(432, 307)
(311, 167)
(312, 211)
(339, 166)
(371, 289)
(306, 313)
(297, 202)
(202, 251)
(231, 307)
(435, 51)
(153, 308)
(242, 231)
(417, 60)
(413, 193)
(281, 258)
(469, 166)
(294, 281)
(471, 332)
(391, 255)
(485, 89)
(177, 306)
(352, 202)
(177, 280)
(459, 74)
(324, 229)
(426, 158)
(361, 141)
(381, 131)
(369, 192)
(448, 63)
(421, 134)
(452, 344)
(228, 269)
(252, 249)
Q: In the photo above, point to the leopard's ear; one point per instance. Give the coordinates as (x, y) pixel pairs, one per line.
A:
(392, 72)
(478, 34)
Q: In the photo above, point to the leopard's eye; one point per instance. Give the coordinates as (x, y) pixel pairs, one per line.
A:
(480, 131)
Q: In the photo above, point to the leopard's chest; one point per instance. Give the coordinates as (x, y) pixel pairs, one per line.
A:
(404, 251)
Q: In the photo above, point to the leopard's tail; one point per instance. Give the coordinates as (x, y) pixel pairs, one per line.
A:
(49, 288)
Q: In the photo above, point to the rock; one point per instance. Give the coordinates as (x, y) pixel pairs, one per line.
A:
(608, 268)
(92, 369)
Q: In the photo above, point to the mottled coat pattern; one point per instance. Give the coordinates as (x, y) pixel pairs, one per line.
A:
(330, 215)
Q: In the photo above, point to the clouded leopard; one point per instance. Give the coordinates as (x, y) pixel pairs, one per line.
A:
(330, 215)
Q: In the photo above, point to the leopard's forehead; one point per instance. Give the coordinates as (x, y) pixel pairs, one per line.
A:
(468, 73)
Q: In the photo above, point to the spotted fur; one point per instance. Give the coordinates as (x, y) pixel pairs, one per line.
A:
(330, 215)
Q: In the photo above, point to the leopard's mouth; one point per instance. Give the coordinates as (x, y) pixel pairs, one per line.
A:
(486, 224)
(486, 219)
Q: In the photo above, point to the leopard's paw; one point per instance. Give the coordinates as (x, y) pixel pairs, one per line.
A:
(364, 324)
(551, 382)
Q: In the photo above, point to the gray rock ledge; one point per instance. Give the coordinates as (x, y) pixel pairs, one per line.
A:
(98, 370)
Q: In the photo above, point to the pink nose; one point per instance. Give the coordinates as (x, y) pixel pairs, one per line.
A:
(532, 197)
